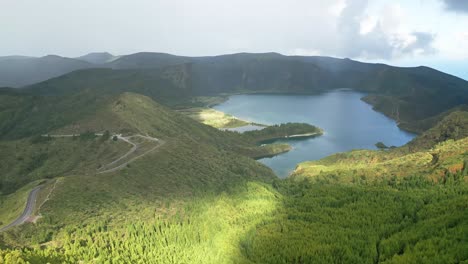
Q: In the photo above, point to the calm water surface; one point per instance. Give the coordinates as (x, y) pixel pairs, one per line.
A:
(349, 123)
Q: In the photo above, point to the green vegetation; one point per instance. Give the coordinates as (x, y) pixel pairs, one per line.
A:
(380, 145)
(294, 222)
(451, 126)
(387, 167)
(24, 161)
(420, 126)
(282, 131)
(265, 150)
(207, 101)
(207, 230)
(201, 198)
(329, 223)
(24, 116)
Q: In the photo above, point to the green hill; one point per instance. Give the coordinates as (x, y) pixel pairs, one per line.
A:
(168, 85)
(452, 126)
(126, 114)
(197, 163)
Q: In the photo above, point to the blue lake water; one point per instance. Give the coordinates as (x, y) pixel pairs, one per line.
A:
(348, 122)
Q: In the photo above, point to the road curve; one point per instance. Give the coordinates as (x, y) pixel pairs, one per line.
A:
(134, 148)
(30, 204)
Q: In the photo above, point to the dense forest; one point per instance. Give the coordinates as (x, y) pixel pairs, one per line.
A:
(292, 222)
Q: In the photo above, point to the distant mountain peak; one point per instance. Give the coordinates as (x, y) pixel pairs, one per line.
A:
(97, 57)
(52, 56)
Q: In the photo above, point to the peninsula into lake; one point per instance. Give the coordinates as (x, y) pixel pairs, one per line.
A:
(284, 131)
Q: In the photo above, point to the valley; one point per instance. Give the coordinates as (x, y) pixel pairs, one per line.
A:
(129, 163)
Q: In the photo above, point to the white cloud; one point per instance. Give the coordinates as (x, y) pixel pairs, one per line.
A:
(343, 28)
(337, 8)
(378, 35)
(368, 24)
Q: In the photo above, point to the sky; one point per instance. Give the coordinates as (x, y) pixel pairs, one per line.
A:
(396, 32)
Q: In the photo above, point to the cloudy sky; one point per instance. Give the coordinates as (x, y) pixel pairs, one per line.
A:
(398, 32)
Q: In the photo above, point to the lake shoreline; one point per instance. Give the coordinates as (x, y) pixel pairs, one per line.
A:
(349, 122)
(292, 137)
(225, 97)
(265, 156)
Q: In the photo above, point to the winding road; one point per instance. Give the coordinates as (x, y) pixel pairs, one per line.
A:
(131, 151)
(30, 203)
(32, 198)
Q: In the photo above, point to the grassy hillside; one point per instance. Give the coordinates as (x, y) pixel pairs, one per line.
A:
(452, 126)
(132, 113)
(23, 161)
(420, 126)
(445, 160)
(12, 205)
(186, 178)
(169, 85)
(25, 116)
(126, 114)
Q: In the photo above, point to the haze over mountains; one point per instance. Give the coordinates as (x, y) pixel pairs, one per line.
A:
(15, 71)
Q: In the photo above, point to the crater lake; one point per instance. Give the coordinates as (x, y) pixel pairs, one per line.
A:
(347, 121)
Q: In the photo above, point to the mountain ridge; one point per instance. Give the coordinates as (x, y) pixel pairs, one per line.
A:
(407, 95)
